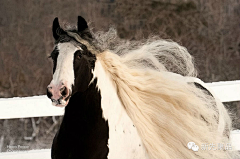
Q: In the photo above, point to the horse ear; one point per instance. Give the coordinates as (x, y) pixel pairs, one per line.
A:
(82, 24)
(55, 28)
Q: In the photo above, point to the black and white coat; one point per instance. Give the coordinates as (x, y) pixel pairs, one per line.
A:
(95, 124)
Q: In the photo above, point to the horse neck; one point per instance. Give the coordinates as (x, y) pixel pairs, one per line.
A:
(83, 132)
(84, 109)
(110, 102)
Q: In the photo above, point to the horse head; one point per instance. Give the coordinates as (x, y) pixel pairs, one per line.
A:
(73, 62)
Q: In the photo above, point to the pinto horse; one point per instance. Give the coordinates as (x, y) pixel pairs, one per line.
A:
(131, 100)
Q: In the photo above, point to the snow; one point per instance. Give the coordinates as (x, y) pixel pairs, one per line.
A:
(46, 153)
(235, 137)
(36, 154)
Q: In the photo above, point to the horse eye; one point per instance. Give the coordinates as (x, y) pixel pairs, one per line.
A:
(78, 54)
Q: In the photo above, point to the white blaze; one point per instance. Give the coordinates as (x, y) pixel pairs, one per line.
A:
(64, 70)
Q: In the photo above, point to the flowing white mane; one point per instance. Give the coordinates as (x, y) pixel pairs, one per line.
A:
(167, 111)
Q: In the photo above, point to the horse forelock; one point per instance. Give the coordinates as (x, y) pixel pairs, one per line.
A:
(88, 42)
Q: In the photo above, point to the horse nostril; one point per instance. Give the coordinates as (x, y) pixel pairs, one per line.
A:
(49, 94)
(63, 91)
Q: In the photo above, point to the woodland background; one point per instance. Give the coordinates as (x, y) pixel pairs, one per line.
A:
(209, 29)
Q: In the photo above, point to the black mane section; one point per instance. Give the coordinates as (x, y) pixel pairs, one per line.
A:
(85, 35)
(83, 133)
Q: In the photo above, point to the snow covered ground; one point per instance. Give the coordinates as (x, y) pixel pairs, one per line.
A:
(33, 154)
(46, 153)
(235, 137)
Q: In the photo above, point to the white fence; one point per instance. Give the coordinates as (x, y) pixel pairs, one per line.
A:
(39, 106)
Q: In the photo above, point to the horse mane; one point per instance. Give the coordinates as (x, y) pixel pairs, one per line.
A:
(166, 110)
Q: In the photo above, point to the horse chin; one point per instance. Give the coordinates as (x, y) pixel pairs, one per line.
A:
(62, 104)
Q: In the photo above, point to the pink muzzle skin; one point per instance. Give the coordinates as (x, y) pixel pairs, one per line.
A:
(59, 94)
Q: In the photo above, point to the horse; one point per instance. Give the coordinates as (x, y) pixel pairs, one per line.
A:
(131, 99)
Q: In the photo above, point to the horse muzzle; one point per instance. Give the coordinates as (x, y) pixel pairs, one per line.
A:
(59, 94)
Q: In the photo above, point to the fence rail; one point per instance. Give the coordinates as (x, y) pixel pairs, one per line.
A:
(38, 106)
